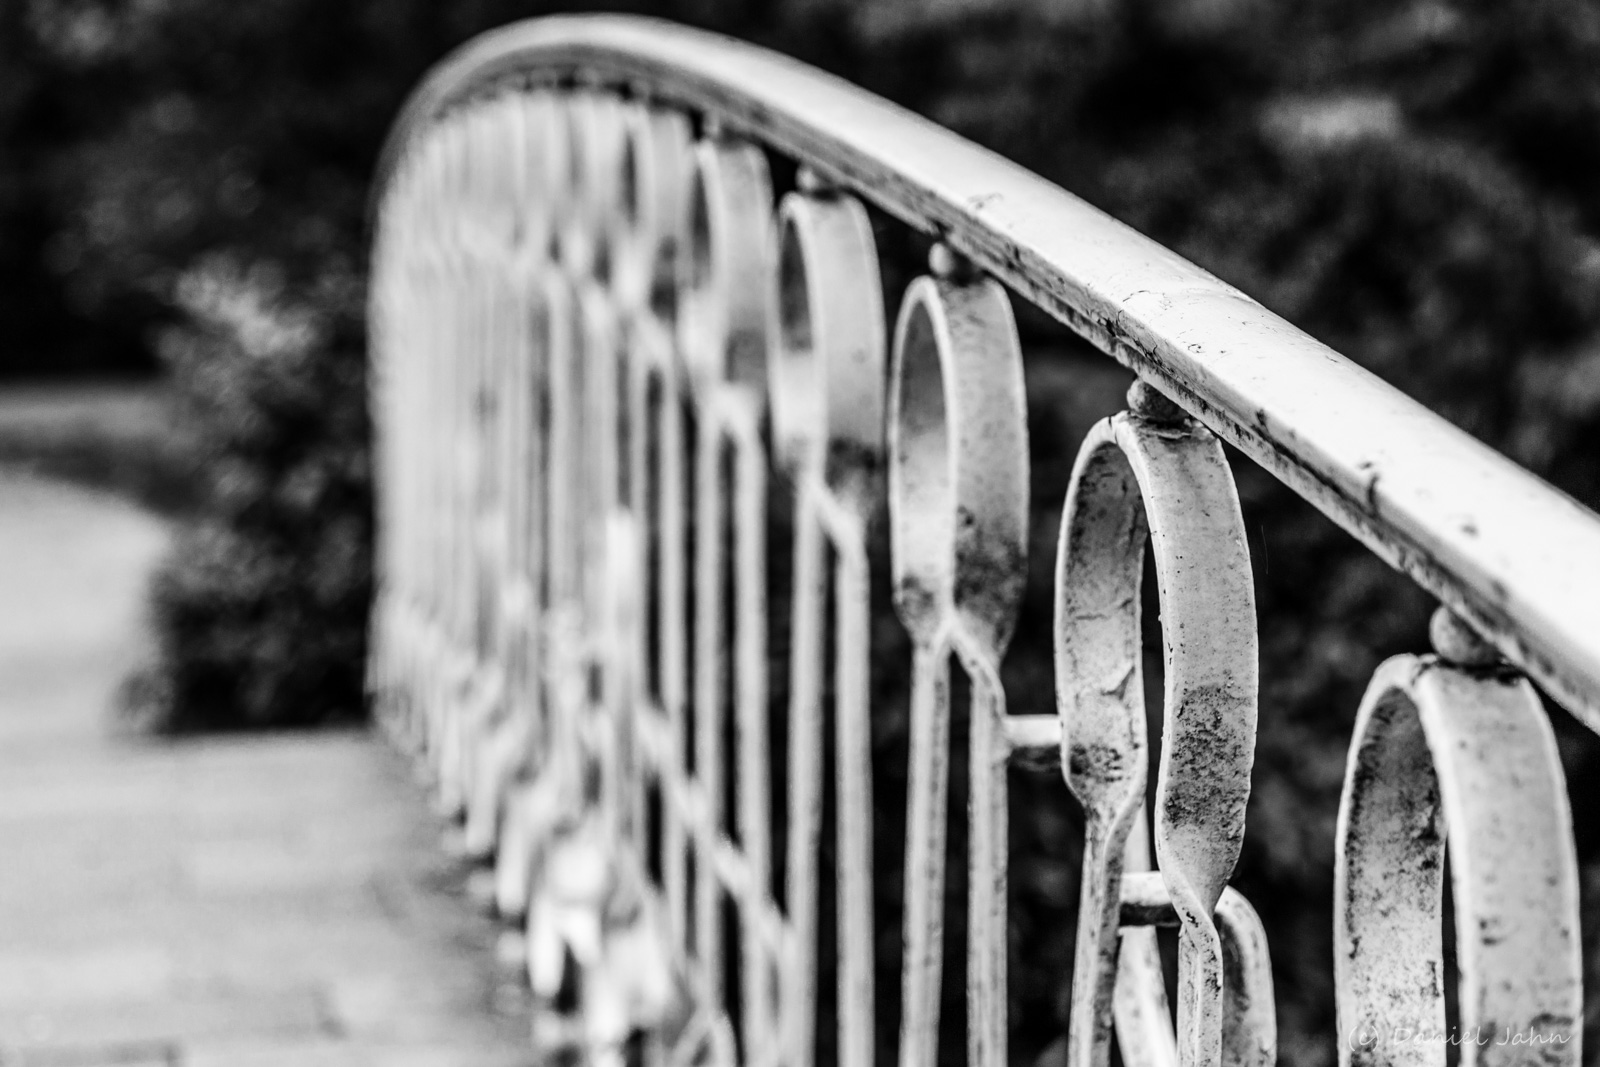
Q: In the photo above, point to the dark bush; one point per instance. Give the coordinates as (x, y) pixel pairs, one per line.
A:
(261, 608)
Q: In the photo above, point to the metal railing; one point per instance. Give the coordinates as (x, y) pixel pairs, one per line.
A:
(601, 354)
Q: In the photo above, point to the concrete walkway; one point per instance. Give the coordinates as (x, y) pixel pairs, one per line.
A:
(276, 900)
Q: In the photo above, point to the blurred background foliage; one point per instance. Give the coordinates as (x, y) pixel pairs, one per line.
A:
(184, 187)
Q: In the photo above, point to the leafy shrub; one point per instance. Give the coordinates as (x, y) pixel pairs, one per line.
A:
(261, 608)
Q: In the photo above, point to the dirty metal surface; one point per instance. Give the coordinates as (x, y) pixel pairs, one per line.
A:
(601, 351)
(1154, 475)
(1485, 536)
(1445, 756)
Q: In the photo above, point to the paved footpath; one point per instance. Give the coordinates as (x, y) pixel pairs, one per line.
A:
(270, 901)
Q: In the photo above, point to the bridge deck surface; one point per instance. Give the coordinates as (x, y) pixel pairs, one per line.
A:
(236, 901)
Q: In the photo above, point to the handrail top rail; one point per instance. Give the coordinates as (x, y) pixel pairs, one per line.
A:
(1517, 558)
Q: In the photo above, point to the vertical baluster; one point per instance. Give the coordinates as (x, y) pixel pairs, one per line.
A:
(548, 326)
(430, 405)
(407, 341)
(528, 808)
(404, 343)
(1155, 467)
(853, 762)
(721, 332)
(428, 452)
(1139, 995)
(458, 581)
(826, 351)
(646, 238)
(673, 652)
(399, 348)
(709, 709)
(806, 665)
(645, 247)
(441, 462)
(450, 354)
(566, 475)
(750, 669)
(610, 538)
(492, 230)
(641, 488)
(958, 498)
(927, 795)
(503, 747)
(988, 856)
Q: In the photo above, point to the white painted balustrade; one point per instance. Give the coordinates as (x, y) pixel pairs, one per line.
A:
(601, 347)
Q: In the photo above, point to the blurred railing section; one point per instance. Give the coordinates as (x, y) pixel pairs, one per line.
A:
(600, 352)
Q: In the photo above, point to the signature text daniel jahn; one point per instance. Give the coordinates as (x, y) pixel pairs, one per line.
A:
(1363, 1038)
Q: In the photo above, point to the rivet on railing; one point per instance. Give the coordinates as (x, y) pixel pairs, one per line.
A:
(945, 262)
(811, 182)
(1458, 644)
(1150, 403)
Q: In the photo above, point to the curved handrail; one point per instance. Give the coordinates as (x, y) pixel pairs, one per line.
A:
(1502, 548)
